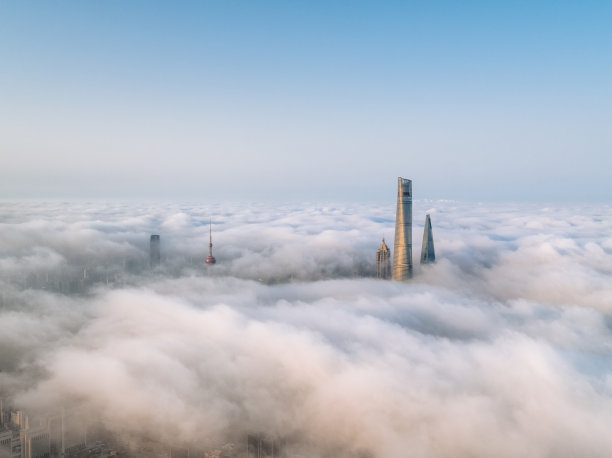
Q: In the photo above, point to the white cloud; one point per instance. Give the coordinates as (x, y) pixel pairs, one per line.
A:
(502, 348)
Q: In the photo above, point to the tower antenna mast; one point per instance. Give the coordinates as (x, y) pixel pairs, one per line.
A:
(210, 259)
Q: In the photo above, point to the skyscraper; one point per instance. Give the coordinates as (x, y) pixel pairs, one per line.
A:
(402, 248)
(210, 259)
(383, 261)
(154, 251)
(428, 253)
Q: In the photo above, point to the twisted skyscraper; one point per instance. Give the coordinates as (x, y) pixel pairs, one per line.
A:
(402, 248)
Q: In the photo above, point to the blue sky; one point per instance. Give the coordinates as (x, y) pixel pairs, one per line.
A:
(306, 100)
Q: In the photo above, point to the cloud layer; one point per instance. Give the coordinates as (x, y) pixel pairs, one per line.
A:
(502, 348)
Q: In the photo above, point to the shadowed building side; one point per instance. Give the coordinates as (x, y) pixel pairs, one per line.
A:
(383, 261)
(154, 251)
(402, 248)
(428, 254)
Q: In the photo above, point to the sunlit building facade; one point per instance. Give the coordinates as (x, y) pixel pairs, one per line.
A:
(402, 247)
(383, 261)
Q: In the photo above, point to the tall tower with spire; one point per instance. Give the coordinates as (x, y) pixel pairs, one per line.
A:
(210, 259)
(428, 254)
(402, 248)
(383, 261)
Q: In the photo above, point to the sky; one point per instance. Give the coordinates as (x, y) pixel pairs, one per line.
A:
(267, 101)
(501, 348)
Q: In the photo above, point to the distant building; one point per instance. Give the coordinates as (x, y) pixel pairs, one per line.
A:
(383, 261)
(6, 443)
(402, 247)
(177, 452)
(428, 254)
(36, 443)
(154, 251)
(18, 418)
(210, 259)
(260, 446)
(60, 436)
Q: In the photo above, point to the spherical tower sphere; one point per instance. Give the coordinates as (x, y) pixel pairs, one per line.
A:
(210, 260)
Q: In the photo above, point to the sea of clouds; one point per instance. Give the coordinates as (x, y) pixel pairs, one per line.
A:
(502, 348)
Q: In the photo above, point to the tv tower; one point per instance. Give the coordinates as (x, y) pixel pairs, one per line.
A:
(210, 259)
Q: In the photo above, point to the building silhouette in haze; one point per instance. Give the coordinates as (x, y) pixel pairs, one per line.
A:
(383, 261)
(428, 254)
(154, 251)
(402, 246)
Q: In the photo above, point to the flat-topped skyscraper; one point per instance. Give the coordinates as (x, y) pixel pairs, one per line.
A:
(428, 254)
(154, 251)
(402, 248)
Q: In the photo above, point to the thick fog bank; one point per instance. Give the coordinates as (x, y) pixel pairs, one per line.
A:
(502, 348)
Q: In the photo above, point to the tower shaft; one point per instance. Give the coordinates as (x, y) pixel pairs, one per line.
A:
(210, 241)
(383, 261)
(210, 259)
(402, 248)
(154, 251)
(428, 254)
